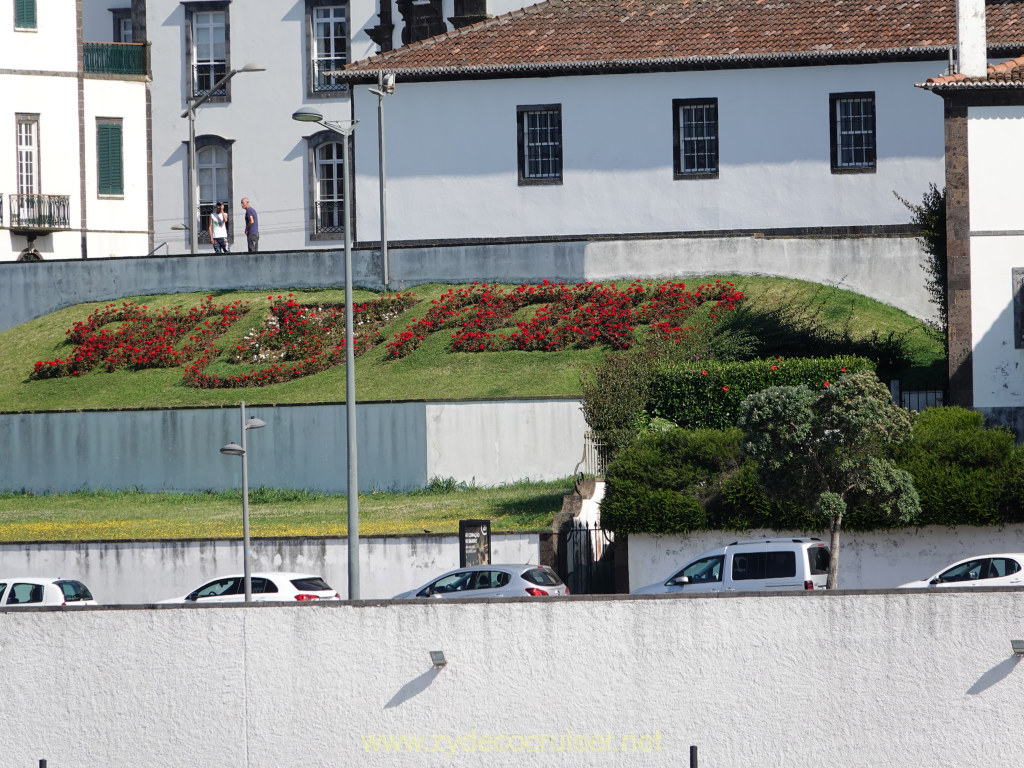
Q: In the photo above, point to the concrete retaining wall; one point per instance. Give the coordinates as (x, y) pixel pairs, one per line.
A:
(846, 680)
(401, 446)
(867, 560)
(148, 571)
(884, 268)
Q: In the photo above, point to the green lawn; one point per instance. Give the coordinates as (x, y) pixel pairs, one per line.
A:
(432, 372)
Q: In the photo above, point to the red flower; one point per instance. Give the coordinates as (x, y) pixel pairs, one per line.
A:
(725, 389)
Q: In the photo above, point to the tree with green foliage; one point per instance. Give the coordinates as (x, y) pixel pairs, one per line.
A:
(930, 219)
(827, 449)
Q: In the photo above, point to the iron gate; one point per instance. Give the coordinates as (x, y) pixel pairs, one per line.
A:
(586, 559)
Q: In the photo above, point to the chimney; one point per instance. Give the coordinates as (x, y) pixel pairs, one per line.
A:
(972, 49)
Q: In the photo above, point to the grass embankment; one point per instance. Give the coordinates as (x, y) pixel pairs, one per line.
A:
(124, 515)
(432, 372)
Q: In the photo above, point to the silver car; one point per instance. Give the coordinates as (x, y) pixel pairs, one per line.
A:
(492, 581)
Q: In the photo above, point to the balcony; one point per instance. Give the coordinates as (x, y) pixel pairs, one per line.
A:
(114, 58)
(39, 214)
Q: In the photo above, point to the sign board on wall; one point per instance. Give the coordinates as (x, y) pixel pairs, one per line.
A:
(474, 542)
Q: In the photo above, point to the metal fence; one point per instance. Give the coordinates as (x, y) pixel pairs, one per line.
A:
(42, 212)
(586, 559)
(114, 58)
(595, 456)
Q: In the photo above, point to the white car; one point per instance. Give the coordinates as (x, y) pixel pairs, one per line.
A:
(1001, 570)
(31, 591)
(281, 587)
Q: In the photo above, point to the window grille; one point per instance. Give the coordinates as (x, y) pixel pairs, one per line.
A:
(540, 142)
(696, 133)
(853, 131)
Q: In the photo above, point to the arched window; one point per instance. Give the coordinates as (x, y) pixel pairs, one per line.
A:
(213, 176)
(327, 193)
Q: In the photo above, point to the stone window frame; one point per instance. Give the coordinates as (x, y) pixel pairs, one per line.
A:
(120, 15)
(311, 91)
(191, 8)
(212, 140)
(313, 143)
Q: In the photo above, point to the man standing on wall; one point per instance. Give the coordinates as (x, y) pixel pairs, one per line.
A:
(252, 226)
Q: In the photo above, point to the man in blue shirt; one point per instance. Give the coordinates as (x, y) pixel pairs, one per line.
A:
(252, 226)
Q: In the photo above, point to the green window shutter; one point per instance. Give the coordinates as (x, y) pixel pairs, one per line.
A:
(25, 14)
(109, 164)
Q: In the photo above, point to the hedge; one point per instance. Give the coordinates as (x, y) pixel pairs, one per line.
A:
(709, 397)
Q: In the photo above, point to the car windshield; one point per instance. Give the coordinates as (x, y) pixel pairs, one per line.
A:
(218, 588)
(705, 570)
(74, 591)
(972, 570)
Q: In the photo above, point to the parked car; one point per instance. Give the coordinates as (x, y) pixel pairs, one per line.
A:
(1000, 570)
(285, 587)
(751, 566)
(492, 581)
(30, 591)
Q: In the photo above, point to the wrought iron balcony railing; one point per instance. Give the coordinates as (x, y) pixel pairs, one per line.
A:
(330, 217)
(207, 75)
(114, 58)
(323, 80)
(43, 213)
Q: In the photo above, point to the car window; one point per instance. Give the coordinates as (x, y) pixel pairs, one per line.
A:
(780, 565)
(542, 577)
(73, 590)
(314, 584)
(23, 594)
(1001, 566)
(456, 582)
(972, 570)
(490, 579)
(818, 558)
(218, 588)
(748, 565)
(3, 588)
(703, 571)
(262, 586)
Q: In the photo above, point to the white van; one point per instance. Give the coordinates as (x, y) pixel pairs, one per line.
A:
(755, 565)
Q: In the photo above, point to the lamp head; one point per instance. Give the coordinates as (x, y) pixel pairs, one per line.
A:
(307, 115)
(1018, 647)
(232, 449)
(437, 659)
(250, 67)
(254, 423)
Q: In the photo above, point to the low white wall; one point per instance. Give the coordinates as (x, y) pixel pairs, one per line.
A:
(148, 571)
(401, 446)
(871, 560)
(840, 679)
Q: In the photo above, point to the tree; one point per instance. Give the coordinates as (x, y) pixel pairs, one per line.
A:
(930, 219)
(832, 448)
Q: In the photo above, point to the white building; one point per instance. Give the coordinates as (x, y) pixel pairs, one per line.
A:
(984, 128)
(73, 176)
(570, 119)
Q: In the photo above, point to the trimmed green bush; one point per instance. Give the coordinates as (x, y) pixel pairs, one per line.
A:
(709, 397)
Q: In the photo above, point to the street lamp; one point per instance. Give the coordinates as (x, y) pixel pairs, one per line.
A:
(385, 87)
(234, 449)
(310, 115)
(190, 113)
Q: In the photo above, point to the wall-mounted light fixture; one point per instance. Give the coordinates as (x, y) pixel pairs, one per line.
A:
(1018, 647)
(438, 660)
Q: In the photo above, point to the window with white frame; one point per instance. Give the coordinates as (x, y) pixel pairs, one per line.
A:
(28, 154)
(540, 144)
(122, 25)
(209, 52)
(330, 189)
(852, 132)
(213, 175)
(329, 46)
(695, 133)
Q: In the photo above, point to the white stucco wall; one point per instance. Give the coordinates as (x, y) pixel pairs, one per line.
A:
(867, 560)
(50, 47)
(850, 680)
(148, 571)
(996, 163)
(456, 174)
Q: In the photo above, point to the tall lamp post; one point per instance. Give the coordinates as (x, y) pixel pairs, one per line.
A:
(385, 87)
(190, 113)
(234, 449)
(310, 115)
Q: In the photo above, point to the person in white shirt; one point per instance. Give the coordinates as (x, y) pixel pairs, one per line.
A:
(219, 229)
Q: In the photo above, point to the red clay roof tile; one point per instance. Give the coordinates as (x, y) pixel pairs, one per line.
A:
(645, 34)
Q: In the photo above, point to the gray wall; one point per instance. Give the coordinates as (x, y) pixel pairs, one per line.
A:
(847, 680)
(884, 268)
(401, 446)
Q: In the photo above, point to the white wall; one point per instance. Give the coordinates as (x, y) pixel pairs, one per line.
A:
(119, 572)
(844, 679)
(996, 163)
(867, 560)
(455, 175)
(51, 47)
